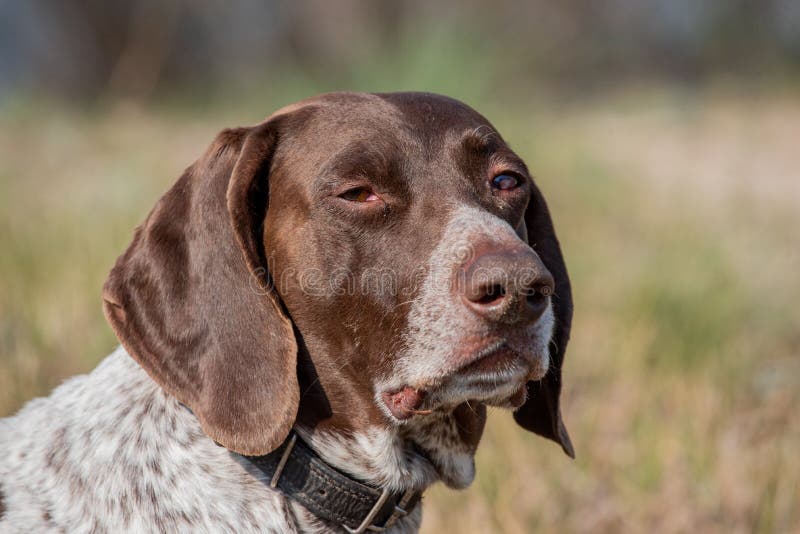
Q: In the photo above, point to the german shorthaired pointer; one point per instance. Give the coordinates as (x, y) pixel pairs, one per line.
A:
(313, 321)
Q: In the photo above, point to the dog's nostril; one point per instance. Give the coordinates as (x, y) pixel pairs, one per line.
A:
(536, 299)
(491, 294)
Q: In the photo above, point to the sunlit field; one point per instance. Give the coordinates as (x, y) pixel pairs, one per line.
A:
(679, 216)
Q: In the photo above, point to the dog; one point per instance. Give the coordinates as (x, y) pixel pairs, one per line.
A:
(313, 320)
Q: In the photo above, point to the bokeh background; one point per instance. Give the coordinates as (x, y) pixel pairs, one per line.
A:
(665, 135)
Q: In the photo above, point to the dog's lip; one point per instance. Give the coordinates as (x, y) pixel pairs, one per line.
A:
(489, 358)
(404, 402)
(482, 369)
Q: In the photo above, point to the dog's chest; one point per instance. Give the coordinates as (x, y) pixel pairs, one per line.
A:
(111, 452)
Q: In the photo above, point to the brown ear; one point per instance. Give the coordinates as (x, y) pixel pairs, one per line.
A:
(541, 412)
(189, 299)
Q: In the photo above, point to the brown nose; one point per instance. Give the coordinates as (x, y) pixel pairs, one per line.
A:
(509, 285)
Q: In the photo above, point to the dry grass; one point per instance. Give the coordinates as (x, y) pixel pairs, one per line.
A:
(679, 216)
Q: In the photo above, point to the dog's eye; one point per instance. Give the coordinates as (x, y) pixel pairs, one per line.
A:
(360, 194)
(505, 182)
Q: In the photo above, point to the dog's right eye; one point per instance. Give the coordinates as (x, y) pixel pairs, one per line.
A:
(360, 194)
(505, 182)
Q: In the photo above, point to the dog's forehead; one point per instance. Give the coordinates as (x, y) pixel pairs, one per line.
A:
(429, 111)
(407, 116)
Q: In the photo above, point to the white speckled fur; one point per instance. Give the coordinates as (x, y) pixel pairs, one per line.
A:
(379, 455)
(111, 452)
(382, 456)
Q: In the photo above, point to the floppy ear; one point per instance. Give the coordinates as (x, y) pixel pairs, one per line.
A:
(541, 412)
(191, 303)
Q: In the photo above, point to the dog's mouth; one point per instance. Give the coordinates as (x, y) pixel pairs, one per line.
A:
(495, 375)
(494, 358)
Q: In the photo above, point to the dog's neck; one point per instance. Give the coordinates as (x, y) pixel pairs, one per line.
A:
(411, 456)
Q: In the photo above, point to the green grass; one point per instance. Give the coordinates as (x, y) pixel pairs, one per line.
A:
(678, 214)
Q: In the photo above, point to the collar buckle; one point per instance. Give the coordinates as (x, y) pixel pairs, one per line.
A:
(366, 524)
(397, 513)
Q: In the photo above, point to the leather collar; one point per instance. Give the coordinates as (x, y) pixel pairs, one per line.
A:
(299, 473)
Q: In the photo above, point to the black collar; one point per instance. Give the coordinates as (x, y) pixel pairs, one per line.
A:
(299, 473)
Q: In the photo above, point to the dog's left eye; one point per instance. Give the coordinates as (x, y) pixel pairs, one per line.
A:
(360, 194)
(505, 182)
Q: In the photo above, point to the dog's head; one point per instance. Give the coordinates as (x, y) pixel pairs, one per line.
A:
(355, 260)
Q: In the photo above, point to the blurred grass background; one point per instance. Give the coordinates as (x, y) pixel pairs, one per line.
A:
(664, 135)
